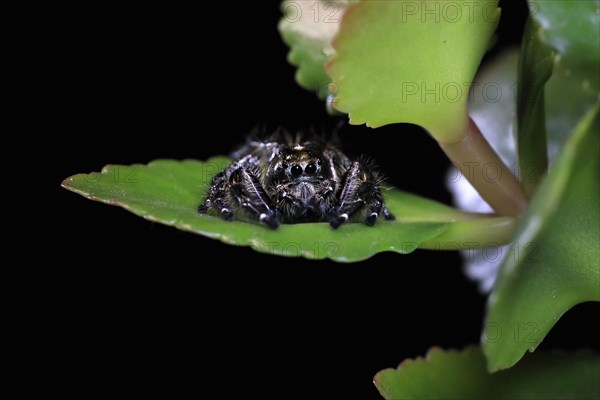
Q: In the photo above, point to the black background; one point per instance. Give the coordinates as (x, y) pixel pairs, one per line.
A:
(151, 307)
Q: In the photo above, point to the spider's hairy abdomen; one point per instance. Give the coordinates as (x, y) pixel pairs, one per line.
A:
(291, 180)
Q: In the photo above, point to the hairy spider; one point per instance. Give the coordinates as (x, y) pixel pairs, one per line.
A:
(288, 180)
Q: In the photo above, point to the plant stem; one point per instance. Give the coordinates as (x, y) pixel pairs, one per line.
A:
(474, 234)
(480, 164)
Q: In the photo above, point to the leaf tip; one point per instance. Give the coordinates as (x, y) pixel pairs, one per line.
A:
(66, 182)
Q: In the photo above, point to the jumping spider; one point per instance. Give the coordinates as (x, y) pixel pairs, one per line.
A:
(291, 180)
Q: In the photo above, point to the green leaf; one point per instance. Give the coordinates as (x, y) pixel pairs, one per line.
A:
(450, 374)
(406, 61)
(308, 27)
(554, 262)
(169, 192)
(571, 28)
(535, 68)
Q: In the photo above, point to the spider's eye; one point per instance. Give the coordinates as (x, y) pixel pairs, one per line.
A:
(296, 170)
(284, 165)
(310, 169)
(319, 162)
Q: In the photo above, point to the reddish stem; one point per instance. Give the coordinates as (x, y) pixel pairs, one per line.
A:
(480, 164)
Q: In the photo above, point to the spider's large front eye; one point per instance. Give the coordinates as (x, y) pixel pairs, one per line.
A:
(296, 170)
(310, 169)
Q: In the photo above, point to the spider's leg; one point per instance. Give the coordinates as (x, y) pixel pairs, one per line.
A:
(350, 200)
(218, 197)
(360, 189)
(250, 195)
(387, 214)
(374, 199)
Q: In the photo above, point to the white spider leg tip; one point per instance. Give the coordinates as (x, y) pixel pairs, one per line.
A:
(344, 216)
(262, 216)
(224, 210)
(374, 214)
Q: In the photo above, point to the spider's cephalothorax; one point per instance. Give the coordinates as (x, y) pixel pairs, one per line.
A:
(290, 181)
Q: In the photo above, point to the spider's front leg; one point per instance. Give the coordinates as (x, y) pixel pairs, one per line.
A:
(360, 189)
(241, 189)
(247, 191)
(218, 197)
